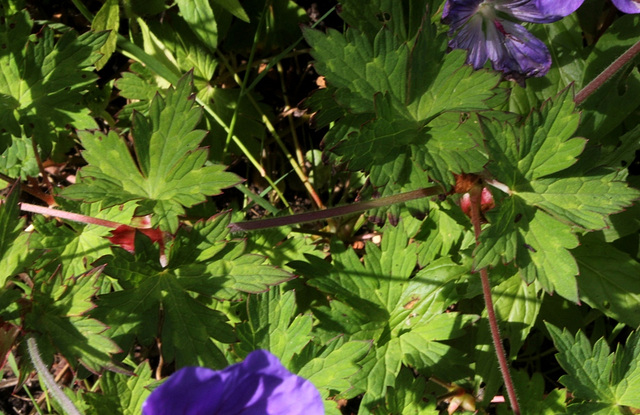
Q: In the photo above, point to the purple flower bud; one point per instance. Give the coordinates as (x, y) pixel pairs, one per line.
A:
(259, 385)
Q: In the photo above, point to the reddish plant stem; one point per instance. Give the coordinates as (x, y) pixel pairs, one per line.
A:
(76, 217)
(605, 75)
(476, 195)
(333, 212)
(257, 224)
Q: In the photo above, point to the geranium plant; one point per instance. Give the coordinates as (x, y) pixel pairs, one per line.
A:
(345, 207)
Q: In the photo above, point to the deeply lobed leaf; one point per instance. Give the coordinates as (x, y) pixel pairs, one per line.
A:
(168, 172)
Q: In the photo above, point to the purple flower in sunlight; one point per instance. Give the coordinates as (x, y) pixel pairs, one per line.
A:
(488, 29)
(259, 385)
(627, 6)
(564, 8)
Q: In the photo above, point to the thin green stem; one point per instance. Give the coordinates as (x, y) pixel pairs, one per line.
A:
(476, 196)
(272, 130)
(48, 380)
(83, 10)
(136, 53)
(605, 75)
(247, 72)
(34, 401)
(333, 212)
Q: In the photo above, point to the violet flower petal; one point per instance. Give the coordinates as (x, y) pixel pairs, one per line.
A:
(536, 11)
(520, 52)
(457, 12)
(472, 38)
(558, 8)
(509, 46)
(627, 6)
(259, 385)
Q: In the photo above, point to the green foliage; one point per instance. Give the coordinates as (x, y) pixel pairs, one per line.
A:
(43, 80)
(384, 318)
(107, 18)
(12, 240)
(59, 313)
(601, 382)
(75, 246)
(377, 301)
(168, 171)
(393, 97)
(533, 227)
(120, 393)
(199, 262)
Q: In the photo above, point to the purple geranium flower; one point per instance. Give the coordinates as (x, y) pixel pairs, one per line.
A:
(259, 385)
(564, 8)
(488, 29)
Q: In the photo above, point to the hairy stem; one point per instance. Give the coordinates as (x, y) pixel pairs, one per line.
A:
(50, 383)
(476, 195)
(333, 212)
(76, 217)
(599, 80)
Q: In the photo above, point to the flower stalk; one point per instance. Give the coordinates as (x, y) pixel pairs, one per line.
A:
(476, 218)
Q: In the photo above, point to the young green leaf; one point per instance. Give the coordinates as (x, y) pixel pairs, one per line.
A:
(168, 172)
(234, 7)
(107, 18)
(597, 378)
(199, 15)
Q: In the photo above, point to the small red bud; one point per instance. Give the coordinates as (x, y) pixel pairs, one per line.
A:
(486, 202)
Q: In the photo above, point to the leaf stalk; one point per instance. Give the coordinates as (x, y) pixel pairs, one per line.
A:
(333, 212)
(605, 75)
